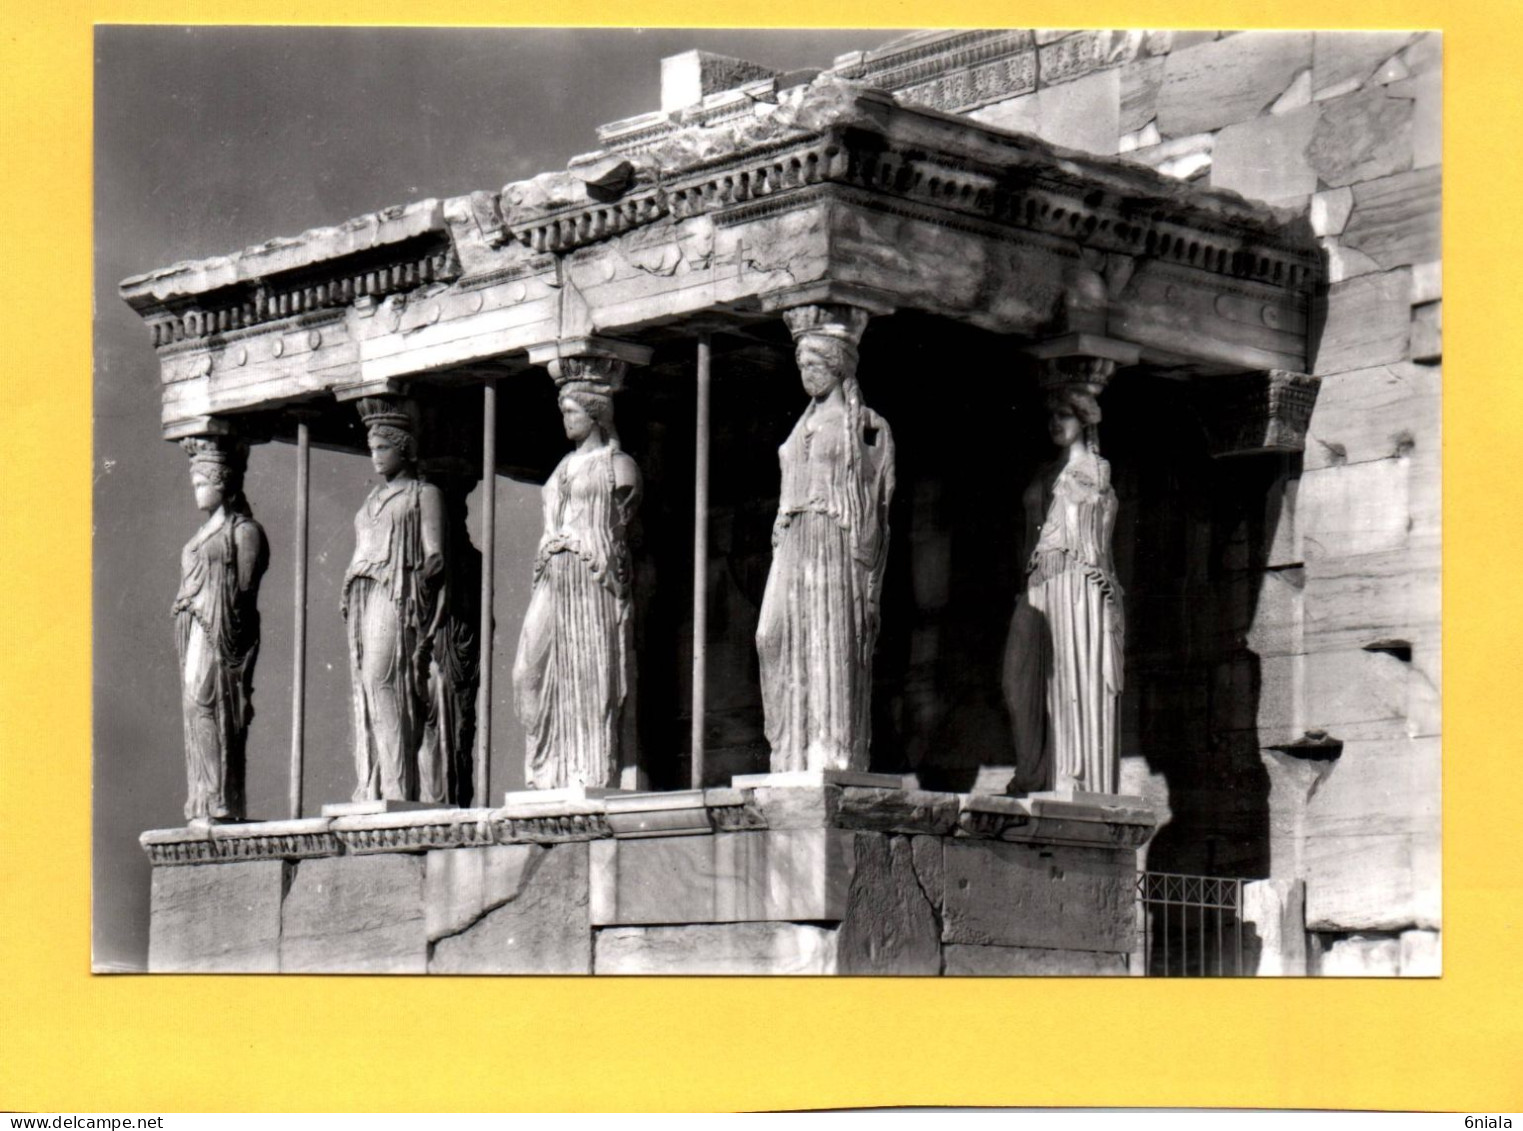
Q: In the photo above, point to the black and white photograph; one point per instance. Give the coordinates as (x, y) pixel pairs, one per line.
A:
(790, 502)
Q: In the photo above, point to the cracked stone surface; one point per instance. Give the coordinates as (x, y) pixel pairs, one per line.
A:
(533, 913)
(890, 927)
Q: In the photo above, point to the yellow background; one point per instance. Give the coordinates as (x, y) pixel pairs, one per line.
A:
(70, 1041)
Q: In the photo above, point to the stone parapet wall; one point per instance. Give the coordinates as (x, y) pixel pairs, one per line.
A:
(795, 880)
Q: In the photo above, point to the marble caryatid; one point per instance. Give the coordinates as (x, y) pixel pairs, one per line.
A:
(394, 602)
(1063, 656)
(819, 613)
(217, 629)
(574, 668)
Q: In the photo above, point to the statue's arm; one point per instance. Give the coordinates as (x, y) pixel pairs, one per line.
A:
(431, 506)
(252, 554)
(626, 483)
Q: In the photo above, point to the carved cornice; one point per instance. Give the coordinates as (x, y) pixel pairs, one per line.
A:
(553, 828)
(222, 844)
(733, 189)
(958, 72)
(254, 306)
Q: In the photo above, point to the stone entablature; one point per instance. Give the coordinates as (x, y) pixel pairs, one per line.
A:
(837, 190)
(764, 880)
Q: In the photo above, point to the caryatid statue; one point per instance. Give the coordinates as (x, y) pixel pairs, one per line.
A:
(217, 629)
(394, 601)
(819, 614)
(1063, 657)
(574, 669)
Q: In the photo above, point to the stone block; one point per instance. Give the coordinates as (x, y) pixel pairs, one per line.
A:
(1422, 954)
(1346, 263)
(1265, 158)
(1231, 80)
(789, 808)
(708, 948)
(1356, 692)
(461, 885)
(1428, 333)
(1276, 627)
(1352, 509)
(1083, 114)
(1361, 956)
(533, 917)
(890, 925)
(1426, 92)
(801, 874)
(1024, 961)
(1370, 855)
(216, 918)
(1361, 137)
(1277, 911)
(1182, 157)
(1352, 601)
(1346, 60)
(1366, 322)
(1330, 210)
(1395, 219)
(355, 915)
(1425, 686)
(1140, 82)
(1426, 54)
(898, 810)
(1032, 896)
(1427, 282)
(1374, 414)
(930, 868)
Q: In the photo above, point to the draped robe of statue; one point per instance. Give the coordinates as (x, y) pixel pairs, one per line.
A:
(572, 673)
(217, 632)
(449, 731)
(1063, 657)
(819, 613)
(392, 609)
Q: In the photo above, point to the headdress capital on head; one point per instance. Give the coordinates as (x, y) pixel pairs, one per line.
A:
(595, 376)
(222, 455)
(827, 320)
(389, 412)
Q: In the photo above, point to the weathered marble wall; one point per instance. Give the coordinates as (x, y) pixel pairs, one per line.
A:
(1344, 632)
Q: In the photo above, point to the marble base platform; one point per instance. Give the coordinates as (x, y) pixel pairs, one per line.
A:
(818, 876)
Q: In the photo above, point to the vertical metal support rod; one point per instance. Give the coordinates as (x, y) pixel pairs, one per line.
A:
(488, 577)
(700, 559)
(299, 631)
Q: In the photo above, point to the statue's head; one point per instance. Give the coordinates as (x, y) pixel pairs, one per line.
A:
(216, 469)
(584, 409)
(391, 433)
(825, 344)
(585, 387)
(1073, 413)
(824, 362)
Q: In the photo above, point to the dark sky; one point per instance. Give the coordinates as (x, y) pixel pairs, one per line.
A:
(212, 139)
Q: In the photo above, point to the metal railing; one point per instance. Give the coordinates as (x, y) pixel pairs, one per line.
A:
(1192, 926)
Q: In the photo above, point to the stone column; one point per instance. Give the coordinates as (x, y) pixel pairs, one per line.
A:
(574, 673)
(1064, 655)
(820, 612)
(216, 614)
